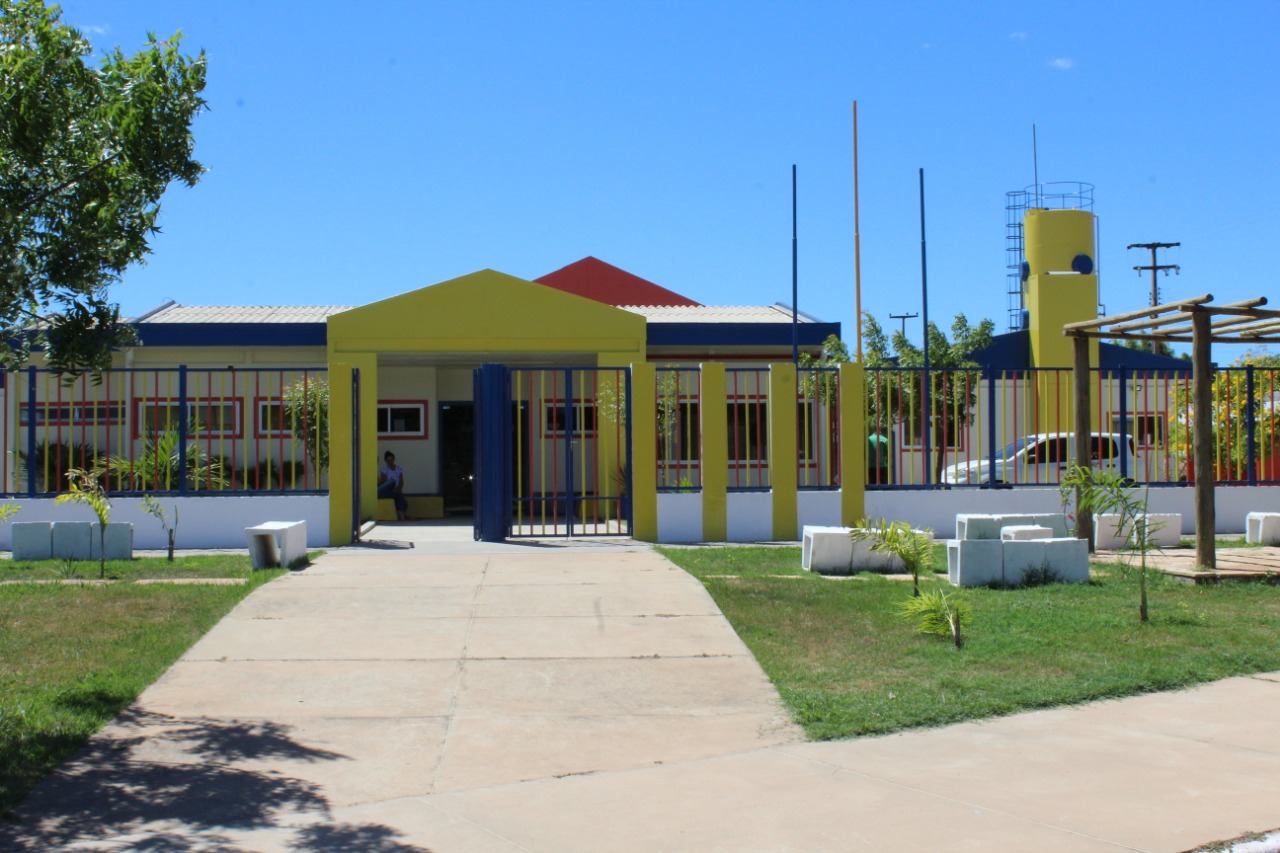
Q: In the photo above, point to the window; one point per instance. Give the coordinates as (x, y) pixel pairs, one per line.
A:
(748, 430)
(72, 413)
(582, 417)
(1104, 447)
(273, 419)
(204, 417)
(1144, 429)
(402, 419)
(679, 431)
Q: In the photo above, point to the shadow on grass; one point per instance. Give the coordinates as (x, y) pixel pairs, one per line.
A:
(153, 782)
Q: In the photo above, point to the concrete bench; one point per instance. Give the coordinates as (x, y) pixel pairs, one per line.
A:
(830, 551)
(277, 544)
(1020, 532)
(1164, 530)
(988, 526)
(982, 562)
(1262, 528)
(32, 540)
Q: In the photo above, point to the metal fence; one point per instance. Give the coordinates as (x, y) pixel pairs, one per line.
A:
(970, 427)
(167, 430)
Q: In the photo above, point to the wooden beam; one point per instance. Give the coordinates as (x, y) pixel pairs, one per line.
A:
(1202, 393)
(1245, 307)
(1141, 312)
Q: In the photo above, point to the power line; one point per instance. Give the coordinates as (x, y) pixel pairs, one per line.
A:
(1155, 268)
(904, 318)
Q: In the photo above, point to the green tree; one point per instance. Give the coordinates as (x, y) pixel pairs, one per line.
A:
(1229, 416)
(1100, 492)
(306, 411)
(953, 379)
(85, 155)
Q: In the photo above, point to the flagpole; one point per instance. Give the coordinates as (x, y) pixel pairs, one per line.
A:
(795, 286)
(857, 240)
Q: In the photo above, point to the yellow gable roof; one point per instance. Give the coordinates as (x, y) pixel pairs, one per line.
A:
(487, 311)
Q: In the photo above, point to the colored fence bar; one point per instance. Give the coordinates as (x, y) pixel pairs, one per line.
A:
(168, 431)
(570, 451)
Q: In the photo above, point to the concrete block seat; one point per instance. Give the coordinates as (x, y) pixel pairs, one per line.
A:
(1020, 532)
(830, 551)
(1003, 548)
(1262, 528)
(988, 526)
(982, 562)
(277, 544)
(1164, 530)
(32, 540)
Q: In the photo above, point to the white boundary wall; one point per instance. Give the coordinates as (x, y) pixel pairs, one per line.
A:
(750, 513)
(937, 509)
(203, 522)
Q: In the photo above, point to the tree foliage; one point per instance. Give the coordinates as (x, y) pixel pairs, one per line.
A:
(85, 155)
(306, 408)
(952, 387)
(1230, 415)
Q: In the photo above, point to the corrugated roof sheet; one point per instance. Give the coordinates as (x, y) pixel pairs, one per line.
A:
(716, 313)
(244, 313)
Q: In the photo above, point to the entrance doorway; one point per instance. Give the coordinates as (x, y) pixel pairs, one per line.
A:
(457, 457)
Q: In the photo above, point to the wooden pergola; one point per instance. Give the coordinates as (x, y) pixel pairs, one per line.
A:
(1198, 322)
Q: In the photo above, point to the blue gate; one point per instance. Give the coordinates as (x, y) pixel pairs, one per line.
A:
(552, 451)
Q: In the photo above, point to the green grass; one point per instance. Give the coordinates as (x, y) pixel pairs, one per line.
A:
(73, 655)
(199, 566)
(846, 664)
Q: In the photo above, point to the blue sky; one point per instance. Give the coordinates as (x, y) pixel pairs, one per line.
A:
(356, 152)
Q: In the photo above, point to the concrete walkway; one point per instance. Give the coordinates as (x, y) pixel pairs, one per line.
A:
(590, 697)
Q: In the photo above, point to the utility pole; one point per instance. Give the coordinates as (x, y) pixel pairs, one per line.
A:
(1155, 268)
(904, 318)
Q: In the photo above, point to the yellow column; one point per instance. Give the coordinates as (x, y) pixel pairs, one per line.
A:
(783, 452)
(644, 454)
(853, 444)
(715, 454)
(340, 438)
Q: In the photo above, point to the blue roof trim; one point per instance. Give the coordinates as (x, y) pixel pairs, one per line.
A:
(736, 334)
(1113, 356)
(232, 334)
(1012, 351)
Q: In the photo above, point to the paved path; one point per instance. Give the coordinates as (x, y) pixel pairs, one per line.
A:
(592, 698)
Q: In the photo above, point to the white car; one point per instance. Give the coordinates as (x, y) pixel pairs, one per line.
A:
(1042, 458)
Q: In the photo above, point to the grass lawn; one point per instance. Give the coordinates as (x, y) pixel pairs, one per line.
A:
(74, 655)
(200, 566)
(846, 664)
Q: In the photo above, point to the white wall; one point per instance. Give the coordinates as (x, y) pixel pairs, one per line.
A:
(937, 509)
(203, 522)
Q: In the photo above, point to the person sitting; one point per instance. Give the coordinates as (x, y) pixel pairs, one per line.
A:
(391, 485)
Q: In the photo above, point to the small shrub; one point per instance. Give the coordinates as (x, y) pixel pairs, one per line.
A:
(939, 614)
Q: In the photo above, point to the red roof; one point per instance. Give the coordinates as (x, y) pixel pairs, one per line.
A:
(594, 279)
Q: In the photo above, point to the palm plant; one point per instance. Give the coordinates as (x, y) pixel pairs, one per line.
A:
(938, 613)
(85, 488)
(1099, 491)
(158, 467)
(913, 547)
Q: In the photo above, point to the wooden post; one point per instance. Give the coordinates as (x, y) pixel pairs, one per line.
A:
(1083, 430)
(1202, 392)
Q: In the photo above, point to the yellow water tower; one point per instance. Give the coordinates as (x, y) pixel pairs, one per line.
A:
(1060, 284)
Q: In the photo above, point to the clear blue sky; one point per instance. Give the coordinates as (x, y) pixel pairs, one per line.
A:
(357, 151)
